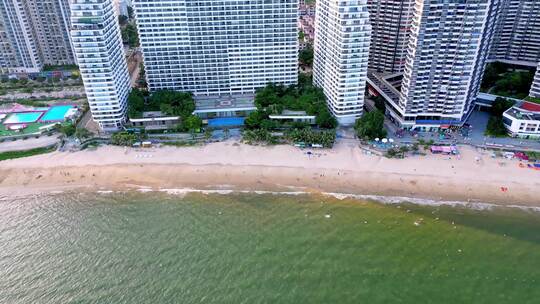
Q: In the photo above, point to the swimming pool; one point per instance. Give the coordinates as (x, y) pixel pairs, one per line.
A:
(56, 113)
(226, 122)
(22, 118)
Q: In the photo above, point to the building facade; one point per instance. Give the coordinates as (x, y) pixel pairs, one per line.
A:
(517, 34)
(34, 33)
(523, 120)
(97, 42)
(535, 88)
(50, 21)
(19, 51)
(447, 53)
(218, 48)
(341, 51)
(391, 25)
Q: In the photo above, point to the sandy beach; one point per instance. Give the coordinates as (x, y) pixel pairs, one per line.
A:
(232, 165)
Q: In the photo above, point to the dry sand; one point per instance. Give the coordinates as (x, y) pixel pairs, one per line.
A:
(230, 165)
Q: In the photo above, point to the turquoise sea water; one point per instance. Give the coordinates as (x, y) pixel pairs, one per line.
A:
(158, 248)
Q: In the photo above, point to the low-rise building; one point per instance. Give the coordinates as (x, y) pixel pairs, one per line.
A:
(523, 120)
(155, 120)
(295, 116)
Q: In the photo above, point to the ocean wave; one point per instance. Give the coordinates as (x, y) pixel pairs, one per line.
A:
(389, 200)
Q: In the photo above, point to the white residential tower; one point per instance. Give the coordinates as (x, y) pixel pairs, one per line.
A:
(98, 46)
(34, 33)
(391, 26)
(218, 48)
(447, 52)
(341, 51)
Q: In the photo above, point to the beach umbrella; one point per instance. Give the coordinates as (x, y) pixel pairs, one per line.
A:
(384, 140)
(391, 140)
(377, 139)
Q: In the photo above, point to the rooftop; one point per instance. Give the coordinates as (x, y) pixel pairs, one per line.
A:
(530, 106)
(224, 102)
(525, 111)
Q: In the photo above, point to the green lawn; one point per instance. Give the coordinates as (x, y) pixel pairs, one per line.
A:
(25, 153)
(31, 128)
(533, 99)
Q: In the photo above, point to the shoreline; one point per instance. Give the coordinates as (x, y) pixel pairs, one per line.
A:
(238, 167)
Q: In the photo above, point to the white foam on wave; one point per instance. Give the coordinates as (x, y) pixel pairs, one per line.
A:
(105, 191)
(391, 200)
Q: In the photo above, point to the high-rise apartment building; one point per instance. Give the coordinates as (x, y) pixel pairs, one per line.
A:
(535, 88)
(341, 51)
(517, 34)
(34, 33)
(19, 51)
(447, 52)
(50, 21)
(97, 42)
(218, 48)
(391, 26)
(121, 6)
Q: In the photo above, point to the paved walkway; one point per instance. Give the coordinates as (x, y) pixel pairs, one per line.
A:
(37, 94)
(31, 143)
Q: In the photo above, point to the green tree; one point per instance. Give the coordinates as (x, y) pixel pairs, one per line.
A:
(326, 120)
(325, 138)
(192, 123)
(68, 130)
(135, 103)
(495, 127)
(130, 35)
(301, 35)
(254, 120)
(82, 133)
(207, 133)
(306, 56)
(122, 20)
(500, 105)
(123, 139)
(370, 125)
(380, 103)
(173, 103)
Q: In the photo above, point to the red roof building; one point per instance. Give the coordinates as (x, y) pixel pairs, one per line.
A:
(530, 106)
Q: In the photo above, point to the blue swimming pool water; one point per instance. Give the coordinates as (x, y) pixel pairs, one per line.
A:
(27, 117)
(226, 122)
(56, 113)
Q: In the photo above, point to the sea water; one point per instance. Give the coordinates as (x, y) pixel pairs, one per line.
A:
(262, 248)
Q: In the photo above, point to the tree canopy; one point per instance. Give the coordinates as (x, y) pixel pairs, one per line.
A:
(167, 101)
(370, 125)
(500, 105)
(130, 35)
(507, 80)
(173, 103)
(136, 103)
(495, 126)
(273, 99)
(306, 56)
(193, 123)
